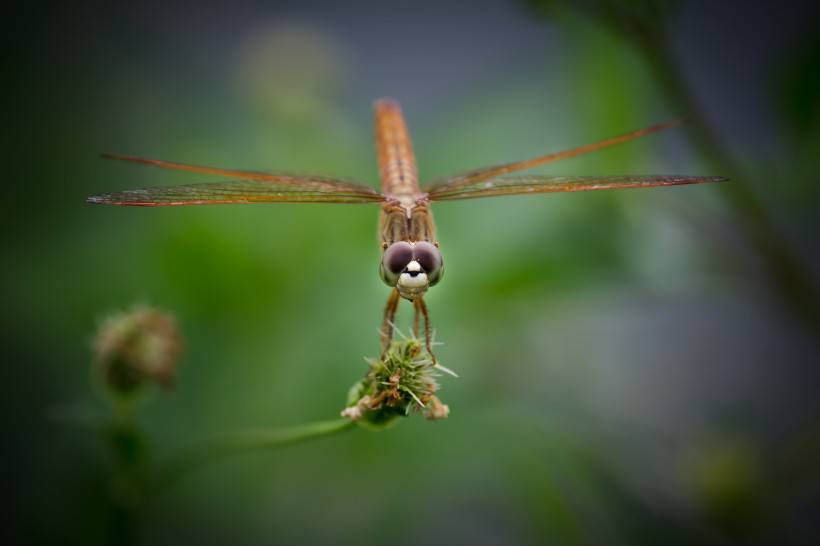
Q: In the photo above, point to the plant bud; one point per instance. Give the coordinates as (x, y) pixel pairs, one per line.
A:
(135, 347)
(404, 379)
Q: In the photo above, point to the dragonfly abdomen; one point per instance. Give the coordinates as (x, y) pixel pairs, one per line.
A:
(397, 163)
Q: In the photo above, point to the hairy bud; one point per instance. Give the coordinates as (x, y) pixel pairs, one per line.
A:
(401, 381)
(137, 346)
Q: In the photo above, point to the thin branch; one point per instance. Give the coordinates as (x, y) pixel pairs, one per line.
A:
(791, 277)
(242, 442)
(646, 31)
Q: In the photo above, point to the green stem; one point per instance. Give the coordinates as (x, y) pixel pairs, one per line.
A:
(242, 442)
(127, 487)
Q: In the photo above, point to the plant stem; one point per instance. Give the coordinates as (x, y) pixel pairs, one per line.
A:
(792, 279)
(242, 442)
(644, 28)
(127, 487)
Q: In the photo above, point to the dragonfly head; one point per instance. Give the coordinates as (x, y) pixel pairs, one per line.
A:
(411, 267)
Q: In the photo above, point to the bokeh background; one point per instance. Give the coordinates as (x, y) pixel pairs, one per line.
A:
(636, 367)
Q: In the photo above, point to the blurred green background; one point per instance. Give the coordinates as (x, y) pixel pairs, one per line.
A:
(636, 367)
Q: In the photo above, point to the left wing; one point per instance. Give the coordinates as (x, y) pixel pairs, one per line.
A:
(287, 189)
(512, 185)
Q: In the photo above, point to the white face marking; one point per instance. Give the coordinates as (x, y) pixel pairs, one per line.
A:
(408, 281)
(413, 266)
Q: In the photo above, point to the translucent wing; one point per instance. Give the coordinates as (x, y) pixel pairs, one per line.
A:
(291, 190)
(231, 173)
(253, 187)
(512, 185)
(478, 175)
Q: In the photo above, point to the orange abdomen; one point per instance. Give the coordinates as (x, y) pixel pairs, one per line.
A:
(397, 164)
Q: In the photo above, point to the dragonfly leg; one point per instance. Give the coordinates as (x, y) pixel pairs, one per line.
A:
(416, 317)
(428, 342)
(389, 319)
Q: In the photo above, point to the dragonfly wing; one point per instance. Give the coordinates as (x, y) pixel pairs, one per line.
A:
(516, 185)
(279, 178)
(479, 175)
(233, 173)
(287, 189)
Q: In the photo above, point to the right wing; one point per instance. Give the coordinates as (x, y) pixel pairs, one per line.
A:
(290, 190)
(468, 178)
(523, 185)
(253, 187)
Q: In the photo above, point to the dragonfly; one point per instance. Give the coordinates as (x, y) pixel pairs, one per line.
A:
(411, 261)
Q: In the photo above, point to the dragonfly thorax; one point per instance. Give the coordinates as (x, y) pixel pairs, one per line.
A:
(407, 202)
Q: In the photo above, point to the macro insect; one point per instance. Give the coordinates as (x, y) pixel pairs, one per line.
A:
(411, 261)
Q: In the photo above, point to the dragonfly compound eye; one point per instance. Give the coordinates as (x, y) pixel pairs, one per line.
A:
(394, 260)
(429, 258)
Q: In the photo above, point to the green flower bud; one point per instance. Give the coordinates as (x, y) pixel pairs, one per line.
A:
(404, 379)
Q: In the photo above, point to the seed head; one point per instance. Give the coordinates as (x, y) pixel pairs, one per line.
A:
(402, 380)
(136, 346)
